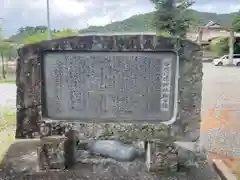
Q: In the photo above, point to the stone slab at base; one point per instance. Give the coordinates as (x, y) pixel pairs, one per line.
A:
(161, 158)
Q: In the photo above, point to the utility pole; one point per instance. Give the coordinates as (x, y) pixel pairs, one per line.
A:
(1, 29)
(200, 35)
(3, 66)
(2, 55)
(231, 46)
(48, 21)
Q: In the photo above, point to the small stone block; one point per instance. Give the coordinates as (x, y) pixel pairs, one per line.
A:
(161, 158)
(53, 139)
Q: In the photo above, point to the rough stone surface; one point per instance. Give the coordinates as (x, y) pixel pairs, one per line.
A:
(28, 86)
(22, 164)
(190, 87)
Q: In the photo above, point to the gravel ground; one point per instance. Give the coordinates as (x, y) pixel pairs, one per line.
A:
(21, 165)
(221, 87)
(220, 90)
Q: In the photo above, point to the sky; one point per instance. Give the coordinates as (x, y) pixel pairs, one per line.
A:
(82, 13)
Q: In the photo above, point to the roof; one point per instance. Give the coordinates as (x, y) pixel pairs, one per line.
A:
(212, 24)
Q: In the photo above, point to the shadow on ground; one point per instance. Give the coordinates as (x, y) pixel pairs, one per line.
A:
(20, 163)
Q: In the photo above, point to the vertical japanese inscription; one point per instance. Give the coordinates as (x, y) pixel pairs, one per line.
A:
(75, 80)
(110, 86)
(166, 85)
(58, 75)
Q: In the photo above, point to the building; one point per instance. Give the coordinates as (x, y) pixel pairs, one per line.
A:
(212, 30)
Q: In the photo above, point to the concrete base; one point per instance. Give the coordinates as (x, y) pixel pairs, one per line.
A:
(20, 163)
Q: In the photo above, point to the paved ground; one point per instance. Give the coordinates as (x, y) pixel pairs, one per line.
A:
(221, 109)
(221, 86)
(7, 95)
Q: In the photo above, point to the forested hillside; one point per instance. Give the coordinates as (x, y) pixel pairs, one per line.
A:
(143, 22)
(136, 23)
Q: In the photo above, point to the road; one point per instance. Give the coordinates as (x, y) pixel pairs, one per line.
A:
(221, 87)
(8, 95)
(221, 90)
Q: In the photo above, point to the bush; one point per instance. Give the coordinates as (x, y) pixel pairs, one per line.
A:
(221, 47)
(7, 118)
(163, 33)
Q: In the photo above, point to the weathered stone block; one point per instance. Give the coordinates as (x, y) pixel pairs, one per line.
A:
(190, 86)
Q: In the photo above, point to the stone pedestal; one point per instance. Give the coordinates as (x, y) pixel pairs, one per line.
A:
(161, 157)
(51, 153)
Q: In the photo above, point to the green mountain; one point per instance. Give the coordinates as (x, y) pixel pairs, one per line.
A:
(25, 32)
(136, 23)
(143, 22)
(140, 22)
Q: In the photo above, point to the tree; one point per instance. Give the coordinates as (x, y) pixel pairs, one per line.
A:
(236, 22)
(2, 48)
(235, 28)
(7, 51)
(221, 46)
(65, 33)
(170, 16)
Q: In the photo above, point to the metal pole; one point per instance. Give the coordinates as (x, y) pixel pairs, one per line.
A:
(231, 46)
(48, 21)
(2, 55)
(3, 66)
(1, 28)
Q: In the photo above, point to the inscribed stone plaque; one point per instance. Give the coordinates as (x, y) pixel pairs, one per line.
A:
(109, 86)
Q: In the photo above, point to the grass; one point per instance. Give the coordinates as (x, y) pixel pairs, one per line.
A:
(7, 118)
(7, 130)
(7, 81)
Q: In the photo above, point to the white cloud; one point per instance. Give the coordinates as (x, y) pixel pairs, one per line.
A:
(71, 8)
(206, 8)
(79, 13)
(98, 21)
(218, 6)
(235, 7)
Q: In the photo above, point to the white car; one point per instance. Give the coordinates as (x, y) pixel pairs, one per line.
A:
(224, 60)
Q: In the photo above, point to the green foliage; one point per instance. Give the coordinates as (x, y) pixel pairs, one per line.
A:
(30, 34)
(236, 22)
(221, 46)
(143, 22)
(7, 81)
(64, 33)
(170, 16)
(136, 23)
(24, 32)
(162, 33)
(7, 49)
(42, 35)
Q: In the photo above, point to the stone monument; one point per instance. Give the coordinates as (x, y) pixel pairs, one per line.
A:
(122, 98)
